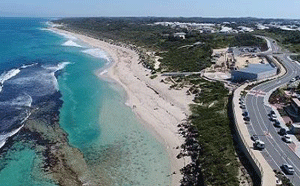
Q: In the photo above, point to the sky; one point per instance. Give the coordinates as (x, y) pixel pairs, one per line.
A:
(168, 8)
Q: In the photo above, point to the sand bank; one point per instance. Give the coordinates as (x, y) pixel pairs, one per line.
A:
(160, 108)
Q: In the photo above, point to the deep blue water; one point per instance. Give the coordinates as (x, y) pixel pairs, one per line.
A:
(113, 142)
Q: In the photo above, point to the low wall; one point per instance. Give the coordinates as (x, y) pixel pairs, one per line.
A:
(258, 162)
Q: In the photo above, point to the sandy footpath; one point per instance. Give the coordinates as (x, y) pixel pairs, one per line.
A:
(160, 108)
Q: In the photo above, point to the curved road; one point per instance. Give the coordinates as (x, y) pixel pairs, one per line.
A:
(276, 152)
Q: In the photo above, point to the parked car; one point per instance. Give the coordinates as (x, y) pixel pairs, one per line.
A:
(272, 112)
(297, 77)
(293, 79)
(246, 114)
(277, 123)
(259, 144)
(273, 117)
(287, 139)
(243, 106)
(282, 131)
(247, 118)
(254, 137)
(288, 169)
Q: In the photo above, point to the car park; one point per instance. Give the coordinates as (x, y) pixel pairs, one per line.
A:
(287, 139)
(288, 169)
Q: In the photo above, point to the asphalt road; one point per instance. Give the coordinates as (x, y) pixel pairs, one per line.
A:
(277, 152)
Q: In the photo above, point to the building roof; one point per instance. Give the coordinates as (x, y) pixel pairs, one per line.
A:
(296, 101)
(257, 68)
(180, 33)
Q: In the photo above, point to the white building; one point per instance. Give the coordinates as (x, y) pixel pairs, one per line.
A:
(180, 34)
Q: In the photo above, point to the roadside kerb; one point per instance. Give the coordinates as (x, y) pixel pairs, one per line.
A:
(259, 163)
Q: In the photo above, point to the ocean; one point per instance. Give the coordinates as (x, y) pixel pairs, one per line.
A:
(60, 124)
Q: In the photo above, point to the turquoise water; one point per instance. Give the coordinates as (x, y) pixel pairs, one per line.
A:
(114, 143)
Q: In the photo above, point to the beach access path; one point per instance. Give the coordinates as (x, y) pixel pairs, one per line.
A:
(160, 108)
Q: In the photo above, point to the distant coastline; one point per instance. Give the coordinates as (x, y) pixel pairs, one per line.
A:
(161, 110)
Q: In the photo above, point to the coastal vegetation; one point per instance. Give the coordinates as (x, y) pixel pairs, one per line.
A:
(208, 130)
(217, 159)
(185, 55)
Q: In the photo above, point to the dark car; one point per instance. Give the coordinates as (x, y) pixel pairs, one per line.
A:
(288, 169)
(254, 137)
(246, 114)
(277, 123)
(247, 118)
(282, 131)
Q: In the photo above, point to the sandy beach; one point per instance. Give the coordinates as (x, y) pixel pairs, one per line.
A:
(160, 109)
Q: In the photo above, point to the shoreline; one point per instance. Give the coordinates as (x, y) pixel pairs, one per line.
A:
(159, 108)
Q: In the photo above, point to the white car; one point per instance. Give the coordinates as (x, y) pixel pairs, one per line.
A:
(288, 169)
(287, 139)
(293, 79)
(273, 117)
(259, 144)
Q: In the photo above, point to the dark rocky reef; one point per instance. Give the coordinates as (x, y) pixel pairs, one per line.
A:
(64, 164)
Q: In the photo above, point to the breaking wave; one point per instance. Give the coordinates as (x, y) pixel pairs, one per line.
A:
(4, 137)
(71, 43)
(98, 53)
(7, 75)
(21, 89)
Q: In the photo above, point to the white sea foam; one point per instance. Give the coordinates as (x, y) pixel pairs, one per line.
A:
(7, 75)
(96, 52)
(103, 72)
(4, 137)
(71, 43)
(68, 36)
(24, 100)
(26, 66)
(54, 69)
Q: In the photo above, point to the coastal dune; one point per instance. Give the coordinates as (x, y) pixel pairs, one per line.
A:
(160, 108)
